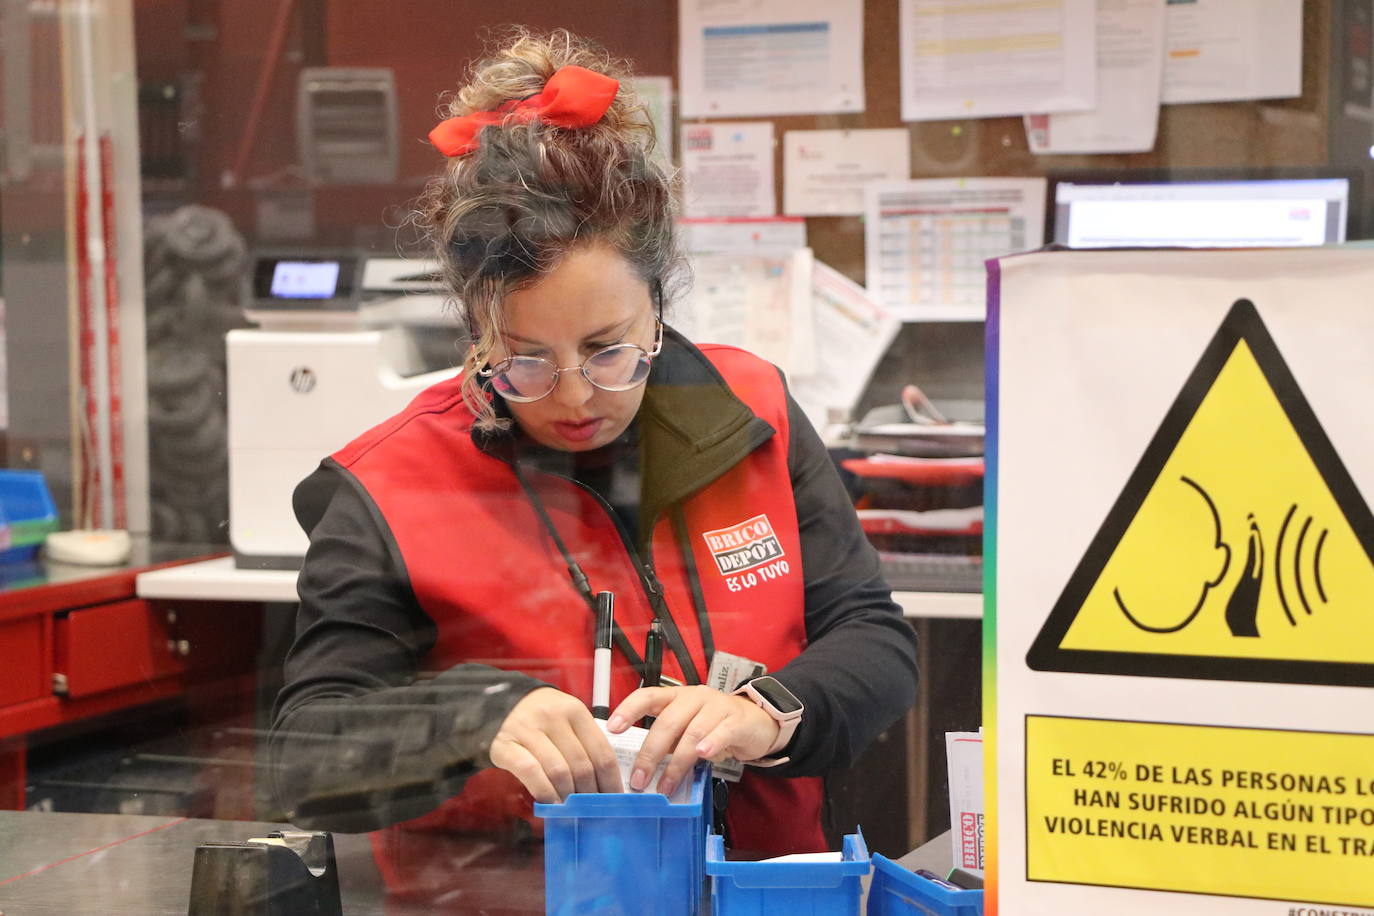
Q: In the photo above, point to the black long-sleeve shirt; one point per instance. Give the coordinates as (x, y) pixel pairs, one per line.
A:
(399, 745)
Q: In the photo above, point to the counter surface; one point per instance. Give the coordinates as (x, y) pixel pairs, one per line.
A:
(117, 864)
(220, 580)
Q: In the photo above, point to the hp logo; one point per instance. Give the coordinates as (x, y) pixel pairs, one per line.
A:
(302, 379)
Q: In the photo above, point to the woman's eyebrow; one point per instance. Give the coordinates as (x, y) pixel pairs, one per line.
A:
(601, 332)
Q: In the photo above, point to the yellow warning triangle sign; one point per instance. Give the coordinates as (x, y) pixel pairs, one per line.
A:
(1240, 547)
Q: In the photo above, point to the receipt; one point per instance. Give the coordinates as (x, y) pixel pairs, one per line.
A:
(626, 746)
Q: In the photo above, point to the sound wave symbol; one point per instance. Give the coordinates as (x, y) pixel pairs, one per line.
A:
(1297, 565)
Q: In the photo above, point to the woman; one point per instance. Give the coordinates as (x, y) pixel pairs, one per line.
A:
(445, 624)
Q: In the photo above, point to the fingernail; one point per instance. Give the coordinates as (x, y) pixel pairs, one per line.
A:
(666, 786)
(704, 749)
(616, 723)
(638, 780)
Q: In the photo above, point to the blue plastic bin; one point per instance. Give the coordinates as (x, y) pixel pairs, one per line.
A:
(896, 891)
(626, 854)
(787, 888)
(27, 515)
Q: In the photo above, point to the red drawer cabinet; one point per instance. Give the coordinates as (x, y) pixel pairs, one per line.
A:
(73, 652)
(25, 659)
(114, 645)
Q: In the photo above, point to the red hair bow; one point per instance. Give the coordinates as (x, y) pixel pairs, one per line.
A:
(573, 97)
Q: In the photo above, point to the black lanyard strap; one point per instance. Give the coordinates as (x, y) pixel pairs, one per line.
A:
(684, 546)
(579, 578)
(652, 588)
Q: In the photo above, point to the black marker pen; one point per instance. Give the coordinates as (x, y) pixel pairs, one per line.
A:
(653, 662)
(601, 655)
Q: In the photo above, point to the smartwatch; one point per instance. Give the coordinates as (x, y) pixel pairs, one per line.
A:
(780, 703)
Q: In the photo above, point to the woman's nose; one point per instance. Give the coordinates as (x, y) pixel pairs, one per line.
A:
(572, 389)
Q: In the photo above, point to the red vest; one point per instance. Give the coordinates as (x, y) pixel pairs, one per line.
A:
(484, 568)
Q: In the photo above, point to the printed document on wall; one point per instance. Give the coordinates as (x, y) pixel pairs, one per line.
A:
(989, 58)
(1226, 50)
(758, 302)
(1130, 61)
(854, 333)
(657, 93)
(728, 169)
(770, 57)
(926, 241)
(771, 235)
(824, 171)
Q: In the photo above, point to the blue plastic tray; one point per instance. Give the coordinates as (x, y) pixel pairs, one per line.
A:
(27, 515)
(895, 891)
(787, 888)
(626, 854)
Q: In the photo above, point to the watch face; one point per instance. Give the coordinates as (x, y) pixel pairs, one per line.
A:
(782, 699)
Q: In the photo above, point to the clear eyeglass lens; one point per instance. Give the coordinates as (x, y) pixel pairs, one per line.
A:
(617, 368)
(529, 378)
(525, 378)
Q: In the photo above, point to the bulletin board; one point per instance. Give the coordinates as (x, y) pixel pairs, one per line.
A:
(430, 45)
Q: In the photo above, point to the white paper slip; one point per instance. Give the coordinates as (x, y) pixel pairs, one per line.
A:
(626, 746)
(809, 857)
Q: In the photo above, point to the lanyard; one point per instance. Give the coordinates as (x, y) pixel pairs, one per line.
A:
(684, 546)
(652, 588)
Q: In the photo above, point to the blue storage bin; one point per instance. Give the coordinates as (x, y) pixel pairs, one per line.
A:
(787, 888)
(27, 515)
(626, 854)
(896, 891)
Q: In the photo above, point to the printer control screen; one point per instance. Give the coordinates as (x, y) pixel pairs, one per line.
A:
(305, 279)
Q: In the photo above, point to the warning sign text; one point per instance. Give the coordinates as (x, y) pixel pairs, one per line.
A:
(1204, 809)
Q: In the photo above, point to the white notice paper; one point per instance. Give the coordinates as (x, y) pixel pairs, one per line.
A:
(657, 93)
(1130, 62)
(741, 58)
(990, 58)
(853, 332)
(927, 240)
(1225, 50)
(824, 171)
(761, 304)
(728, 169)
(774, 235)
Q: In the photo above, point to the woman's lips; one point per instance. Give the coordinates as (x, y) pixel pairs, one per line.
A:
(579, 431)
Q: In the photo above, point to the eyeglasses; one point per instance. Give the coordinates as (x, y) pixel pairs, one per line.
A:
(619, 367)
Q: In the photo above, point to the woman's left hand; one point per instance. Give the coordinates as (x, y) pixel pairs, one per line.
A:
(693, 723)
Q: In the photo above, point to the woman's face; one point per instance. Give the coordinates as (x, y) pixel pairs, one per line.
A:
(591, 300)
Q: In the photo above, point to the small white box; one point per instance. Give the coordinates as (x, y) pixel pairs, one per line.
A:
(964, 752)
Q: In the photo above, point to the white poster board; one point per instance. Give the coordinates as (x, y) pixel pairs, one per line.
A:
(1182, 552)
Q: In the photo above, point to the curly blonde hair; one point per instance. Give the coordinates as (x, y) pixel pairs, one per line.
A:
(503, 215)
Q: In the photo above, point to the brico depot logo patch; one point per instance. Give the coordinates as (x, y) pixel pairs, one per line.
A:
(746, 545)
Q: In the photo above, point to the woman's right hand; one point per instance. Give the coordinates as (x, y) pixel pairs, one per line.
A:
(550, 742)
